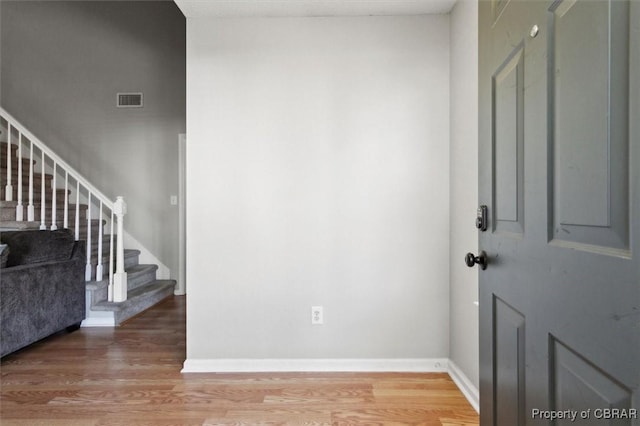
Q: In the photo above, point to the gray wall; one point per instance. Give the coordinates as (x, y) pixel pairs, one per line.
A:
(1, 4)
(62, 65)
(463, 347)
(322, 144)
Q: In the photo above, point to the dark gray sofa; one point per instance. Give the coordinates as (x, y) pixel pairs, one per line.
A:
(42, 287)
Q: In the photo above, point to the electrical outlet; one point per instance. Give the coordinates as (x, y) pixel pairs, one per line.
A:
(317, 317)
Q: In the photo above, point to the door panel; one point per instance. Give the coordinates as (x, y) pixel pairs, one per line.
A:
(509, 363)
(559, 147)
(588, 48)
(579, 43)
(578, 385)
(508, 143)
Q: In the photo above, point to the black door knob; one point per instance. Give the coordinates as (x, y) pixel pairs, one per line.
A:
(481, 260)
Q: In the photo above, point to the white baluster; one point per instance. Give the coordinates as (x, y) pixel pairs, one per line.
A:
(43, 204)
(17, 134)
(100, 231)
(31, 214)
(120, 277)
(77, 224)
(19, 207)
(111, 250)
(8, 189)
(89, 268)
(65, 224)
(54, 197)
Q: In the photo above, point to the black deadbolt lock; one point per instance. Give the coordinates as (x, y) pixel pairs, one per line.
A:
(481, 218)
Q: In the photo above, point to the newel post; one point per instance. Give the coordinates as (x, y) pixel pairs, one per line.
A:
(120, 276)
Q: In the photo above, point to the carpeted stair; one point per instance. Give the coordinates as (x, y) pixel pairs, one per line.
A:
(144, 289)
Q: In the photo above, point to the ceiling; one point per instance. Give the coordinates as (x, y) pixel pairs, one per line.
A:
(286, 8)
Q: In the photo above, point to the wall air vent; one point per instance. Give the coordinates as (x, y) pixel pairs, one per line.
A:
(129, 100)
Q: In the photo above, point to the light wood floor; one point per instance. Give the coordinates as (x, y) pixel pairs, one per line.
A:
(131, 376)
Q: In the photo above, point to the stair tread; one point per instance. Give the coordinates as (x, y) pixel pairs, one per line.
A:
(105, 252)
(128, 255)
(15, 225)
(25, 202)
(141, 268)
(135, 294)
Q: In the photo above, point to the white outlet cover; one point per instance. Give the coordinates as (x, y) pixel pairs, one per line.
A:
(317, 315)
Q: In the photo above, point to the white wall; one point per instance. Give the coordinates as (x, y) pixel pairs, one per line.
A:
(318, 174)
(63, 63)
(464, 187)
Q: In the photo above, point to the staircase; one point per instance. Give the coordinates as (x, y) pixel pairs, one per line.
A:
(143, 289)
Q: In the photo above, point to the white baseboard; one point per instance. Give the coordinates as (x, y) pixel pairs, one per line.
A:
(465, 385)
(420, 365)
(99, 322)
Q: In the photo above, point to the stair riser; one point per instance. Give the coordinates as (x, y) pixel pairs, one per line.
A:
(37, 173)
(99, 295)
(82, 228)
(139, 280)
(26, 152)
(83, 233)
(26, 175)
(137, 301)
(129, 261)
(123, 315)
(37, 194)
(37, 185)
(5, 136)
(9, 213)
(14, 157)
(14, 165)
(105, 247)
(106, 241)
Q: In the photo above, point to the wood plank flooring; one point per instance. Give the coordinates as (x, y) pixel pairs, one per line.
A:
(131, 376)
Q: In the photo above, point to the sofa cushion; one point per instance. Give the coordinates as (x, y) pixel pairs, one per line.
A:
(28, 247)
(4, 255)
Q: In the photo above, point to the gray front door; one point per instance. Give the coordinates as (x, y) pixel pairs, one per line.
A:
(560, 173)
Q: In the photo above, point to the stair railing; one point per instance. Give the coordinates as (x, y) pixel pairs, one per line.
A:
(17, 134)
